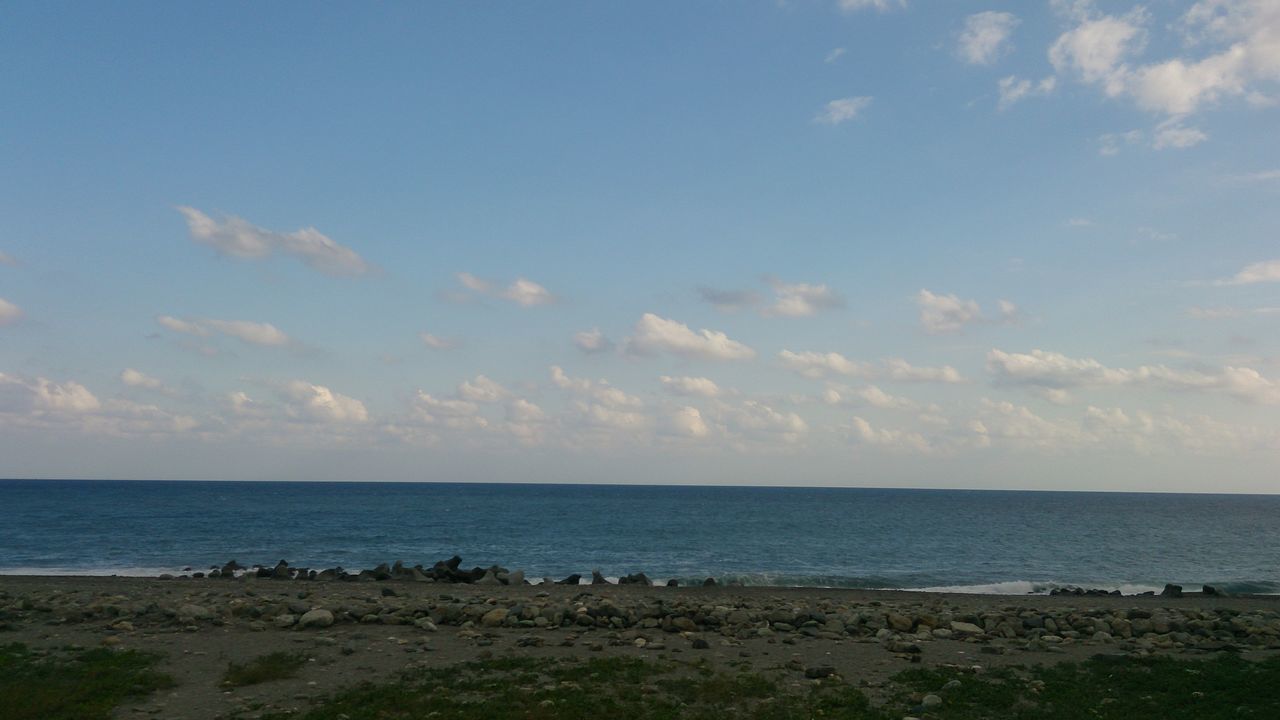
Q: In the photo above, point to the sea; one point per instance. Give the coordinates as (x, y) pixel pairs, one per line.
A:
(1006, 542)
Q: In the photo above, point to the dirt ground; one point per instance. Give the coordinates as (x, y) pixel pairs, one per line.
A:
(348, 653)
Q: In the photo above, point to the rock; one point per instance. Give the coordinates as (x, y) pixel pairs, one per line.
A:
(285, 621)
(709, 582)
(700, 644)
(281, 571)
(673, 583)
(683, 624)
(573, 579)
(388, 592)
(1211, 591)
(635, 579)
(515, 578)
(489, 578)
(319, 617)
(819, 672)
(425, 624)
(1173, 591)
(195, 612)
(931, 701)
(597, 578)
(494, 618)
(965, 628)
(899, 622)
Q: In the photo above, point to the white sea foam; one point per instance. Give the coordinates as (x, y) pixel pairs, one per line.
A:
(1032, 587)
(95, 572)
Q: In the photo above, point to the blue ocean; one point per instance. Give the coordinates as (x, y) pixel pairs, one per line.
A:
(975, 541)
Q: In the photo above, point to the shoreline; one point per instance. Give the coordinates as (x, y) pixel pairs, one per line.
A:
(372, 631)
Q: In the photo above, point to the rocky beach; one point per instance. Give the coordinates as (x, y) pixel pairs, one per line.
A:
(380, 622)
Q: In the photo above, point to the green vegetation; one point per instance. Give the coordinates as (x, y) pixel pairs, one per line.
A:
(542, 689)
(71, 685)
(1108, 687)
(265, 668)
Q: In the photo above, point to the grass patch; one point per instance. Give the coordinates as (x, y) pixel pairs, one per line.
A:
(1108, 688)
(265, 668)
(84, 685)
(569, 689)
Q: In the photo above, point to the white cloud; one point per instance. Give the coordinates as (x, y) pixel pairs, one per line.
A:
(482, 390)
(1259, 272)
(842, 110)
(520, 410)
(834, 55)
(1041, 369)
(654, 334)
(592, 341)
(1012, 89)
(755, 420)
(9, 312)
(181, 326)
(899, 369)
(254, 333)
(1110, 144)
(471, 282)
(242, 405)
(458, 414)
(1244, 37)
(801, 299)
(527, 293)
(1095, 50)
(687, 421)
(986, 37)
(818, 365)
(894, 439)
(521, 291)
(870, 395)
(134, 378)
(435, 342)
(320, 404)
(598, 391)
(940, 314)
(1220, 313)
(41, 396)
(880, 5)
(238, 238)
(701, 386)
(1173, 134)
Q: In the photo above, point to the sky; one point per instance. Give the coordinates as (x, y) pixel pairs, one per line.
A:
(886, 243)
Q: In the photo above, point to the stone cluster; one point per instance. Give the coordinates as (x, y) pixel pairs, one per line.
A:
(615, 614)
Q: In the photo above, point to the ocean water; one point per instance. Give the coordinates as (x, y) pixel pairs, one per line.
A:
(976, 541)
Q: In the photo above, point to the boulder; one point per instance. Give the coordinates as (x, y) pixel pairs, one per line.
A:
(597, 578)
(635, 579)
(515, 578)
(709, 582)
(494, 618)
(965, 628)
(319, 617)
(573, 579)
(1172, 591)
(195, 612)
(489, 578)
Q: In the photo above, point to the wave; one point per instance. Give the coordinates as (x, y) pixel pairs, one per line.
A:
(95, 571)
(781, 580)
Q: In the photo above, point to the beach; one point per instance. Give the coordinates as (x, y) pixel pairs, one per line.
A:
(352, 632)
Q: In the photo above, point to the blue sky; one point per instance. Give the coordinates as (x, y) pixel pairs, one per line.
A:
(857, 242)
